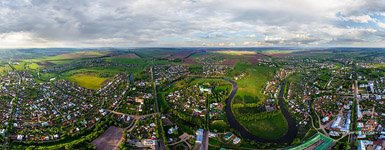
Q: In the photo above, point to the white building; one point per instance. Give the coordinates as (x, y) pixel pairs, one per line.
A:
(202, 89)
(236, 140)
(2, 132)
(336, 123)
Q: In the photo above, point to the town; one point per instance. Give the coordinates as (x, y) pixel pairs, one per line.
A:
(125, 99)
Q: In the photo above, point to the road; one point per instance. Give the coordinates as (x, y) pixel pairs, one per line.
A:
(133, 116)
(353, 137)
(183, 139)
(319, 124)
(205, 142)
(292, 126)
(13, 104)
(161, 144)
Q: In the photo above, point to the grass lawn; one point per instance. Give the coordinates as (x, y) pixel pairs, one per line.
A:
(250, 91)
(219, 126)
(87, 80)
(91, 78)
(255, 80)
(20, 66)
(33, 66)
(271, 128)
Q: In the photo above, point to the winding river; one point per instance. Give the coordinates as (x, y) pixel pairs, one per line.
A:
(292, 126)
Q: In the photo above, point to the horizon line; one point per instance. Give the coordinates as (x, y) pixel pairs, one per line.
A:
(209, 47)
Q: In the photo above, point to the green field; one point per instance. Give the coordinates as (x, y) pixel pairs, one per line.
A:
(141, 62)
(91, 78)
(99, 71)
(250, 95)
(75, 55)
(33, 66)
(89, 81)
(254, 81)
(219, 126)
(64, 58)
(271, 128)
(271, 125)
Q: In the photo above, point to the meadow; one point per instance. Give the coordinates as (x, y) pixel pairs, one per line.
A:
(88, 80)
(253, 83)
(142, 64)
(60, 59)
(33, 66)
(77, 55)
(270, 125)
(269, 128)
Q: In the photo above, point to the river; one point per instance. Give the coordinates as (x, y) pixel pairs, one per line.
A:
(292, 126)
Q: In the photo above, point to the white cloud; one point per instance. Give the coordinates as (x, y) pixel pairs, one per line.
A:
(360, 19)
(247, 43)
(189, 23)
(381, 24)
(24, 40)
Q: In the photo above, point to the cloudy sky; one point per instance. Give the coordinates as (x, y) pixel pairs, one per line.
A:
(131, 23)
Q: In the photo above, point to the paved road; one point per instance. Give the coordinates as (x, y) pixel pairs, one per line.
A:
(161, 144)
(205, 143)
(353, 137)
(133, 116)
(292, 126)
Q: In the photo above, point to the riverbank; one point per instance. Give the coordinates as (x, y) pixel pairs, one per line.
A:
(286, 138)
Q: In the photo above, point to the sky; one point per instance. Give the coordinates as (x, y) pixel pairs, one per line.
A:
(191, 23)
